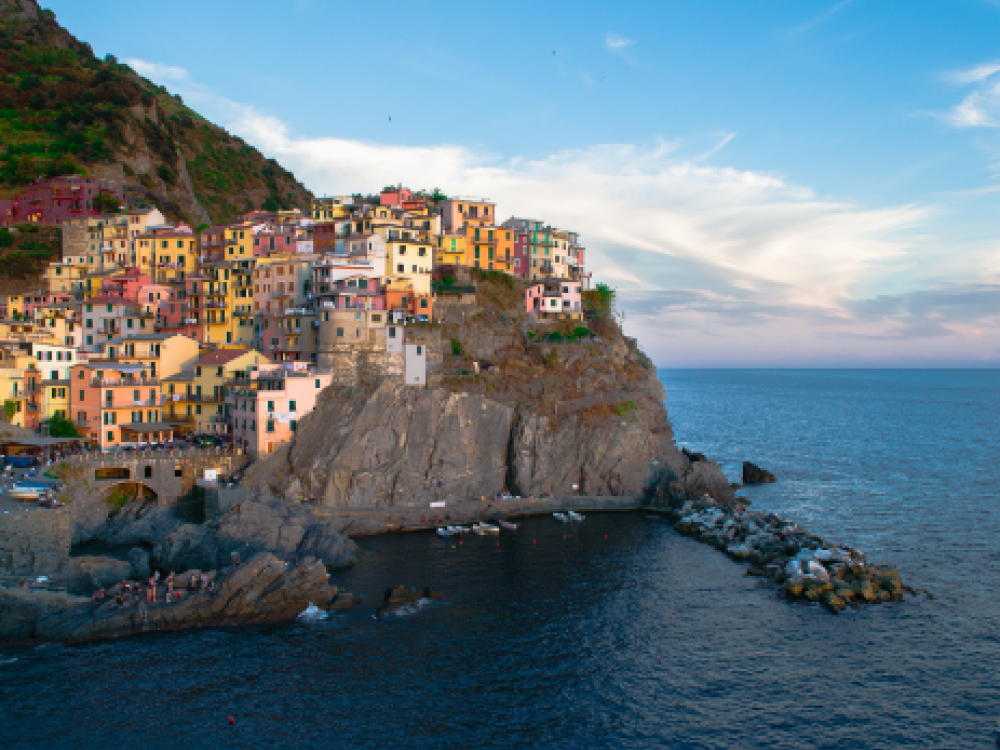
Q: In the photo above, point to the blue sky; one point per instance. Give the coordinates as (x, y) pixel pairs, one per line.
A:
(801, 183)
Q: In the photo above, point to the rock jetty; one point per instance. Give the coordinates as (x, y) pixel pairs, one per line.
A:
(803, 565)
(259, 590)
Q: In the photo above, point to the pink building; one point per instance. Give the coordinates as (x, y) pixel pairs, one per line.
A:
(267, 412)
(395, 196)
(555, 299)
(57, 200)
(279, 238)
(35, 300)
(125, 286)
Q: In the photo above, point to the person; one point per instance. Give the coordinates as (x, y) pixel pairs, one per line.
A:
(170, 584)
(193, 584)
(151, 591)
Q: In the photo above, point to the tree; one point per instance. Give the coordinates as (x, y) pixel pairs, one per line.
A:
(62, 427)
(270, 204)
(66, 164)
(106, 204)
(6, 238)
(201, 228)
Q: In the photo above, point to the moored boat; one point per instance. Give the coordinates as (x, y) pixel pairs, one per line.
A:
(21, 492)
(560, 517)
(508, 526)
(443, 533)
(575, 516)
(488, 528)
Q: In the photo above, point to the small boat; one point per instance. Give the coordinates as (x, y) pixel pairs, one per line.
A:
(508, 526)
(478, 528)
(488, 528)
(561, 517)
(443, 533)
(20, 492)
(459, 529)
(575, 516)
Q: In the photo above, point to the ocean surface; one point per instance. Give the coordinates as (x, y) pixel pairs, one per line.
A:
(617, 632)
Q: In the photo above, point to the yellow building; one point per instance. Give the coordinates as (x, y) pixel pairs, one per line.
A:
(166, 354)
(64, 278)
(450, 250)
(336, 207)
(167, 255)
(484, 248)
(196, 399)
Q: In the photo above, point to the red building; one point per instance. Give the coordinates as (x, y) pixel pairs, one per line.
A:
(57, 200)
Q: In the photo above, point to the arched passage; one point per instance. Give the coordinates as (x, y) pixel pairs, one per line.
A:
(118, 495)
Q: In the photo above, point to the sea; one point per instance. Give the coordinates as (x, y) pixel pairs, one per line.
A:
(616, 632)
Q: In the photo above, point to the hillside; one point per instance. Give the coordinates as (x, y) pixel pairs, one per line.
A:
(62, 109)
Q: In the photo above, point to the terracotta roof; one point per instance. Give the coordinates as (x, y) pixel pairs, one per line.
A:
(223, 356)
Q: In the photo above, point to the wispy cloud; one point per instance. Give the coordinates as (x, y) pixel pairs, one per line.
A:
(616, 42)
(979, 108)
(158, 72)
(822, 17)
(765, 269)
(975, 74)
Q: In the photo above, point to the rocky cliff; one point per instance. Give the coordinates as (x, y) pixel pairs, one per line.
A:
(501, 413)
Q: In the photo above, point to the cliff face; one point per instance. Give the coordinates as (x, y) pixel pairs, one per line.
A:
(62, 108)
(586, 416)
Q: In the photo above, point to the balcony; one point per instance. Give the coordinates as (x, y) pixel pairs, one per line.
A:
(123, 382)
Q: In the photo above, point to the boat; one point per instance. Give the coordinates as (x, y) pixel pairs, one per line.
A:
(443, 533)
(488, 528)
(561, 517)
(478, 528)
(20, 492)
(575, 516)
(508, 526)
(459, 529)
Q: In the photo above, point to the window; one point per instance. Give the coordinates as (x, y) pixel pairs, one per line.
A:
(270, 425)
(293, 424)
(79, 376)
(340, 331)
(420, 350)
(111, 436)
(317, 382)
(270, 406)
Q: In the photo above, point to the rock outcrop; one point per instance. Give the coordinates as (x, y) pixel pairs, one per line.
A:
(586, 417)
(753, 474)
(261, 589)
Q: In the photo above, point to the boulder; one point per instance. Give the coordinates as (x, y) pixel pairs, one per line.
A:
(83, 575)
(753, 474)
(188, 546)
(138, 558)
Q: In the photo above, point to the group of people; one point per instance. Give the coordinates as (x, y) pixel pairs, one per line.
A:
(129, 592)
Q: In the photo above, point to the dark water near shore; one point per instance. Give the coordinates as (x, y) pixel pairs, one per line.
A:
(620, 634)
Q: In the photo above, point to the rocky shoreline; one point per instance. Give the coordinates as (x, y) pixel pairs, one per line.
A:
(260, 590)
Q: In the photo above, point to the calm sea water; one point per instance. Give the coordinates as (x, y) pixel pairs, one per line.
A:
(617, 633)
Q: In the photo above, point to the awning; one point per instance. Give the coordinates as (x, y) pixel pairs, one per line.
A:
(148, 427)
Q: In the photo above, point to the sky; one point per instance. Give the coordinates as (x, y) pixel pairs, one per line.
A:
(776, 183)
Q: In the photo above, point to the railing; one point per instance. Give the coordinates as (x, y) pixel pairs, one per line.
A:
(108, 382)
(115, 458)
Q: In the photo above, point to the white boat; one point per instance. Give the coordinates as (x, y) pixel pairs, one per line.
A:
(561, 517)
(444, 533)
(459, 529)
(20, 492)
(508, 526)
(575, 516)
(488, 528)
(478, 528)
(312, 612)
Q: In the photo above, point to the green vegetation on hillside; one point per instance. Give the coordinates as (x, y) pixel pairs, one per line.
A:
(62, 111)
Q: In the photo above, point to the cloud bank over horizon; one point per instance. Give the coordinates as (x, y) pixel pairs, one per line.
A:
(715, 266)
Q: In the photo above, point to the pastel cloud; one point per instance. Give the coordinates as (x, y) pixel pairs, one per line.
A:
(714, 265)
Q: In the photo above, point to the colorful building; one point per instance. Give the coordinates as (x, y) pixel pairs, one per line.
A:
(265, 413)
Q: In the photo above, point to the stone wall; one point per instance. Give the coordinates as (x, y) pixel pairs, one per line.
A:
(35, 542)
